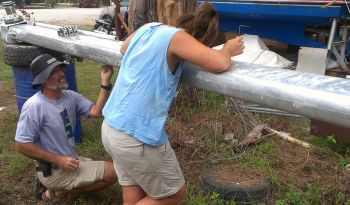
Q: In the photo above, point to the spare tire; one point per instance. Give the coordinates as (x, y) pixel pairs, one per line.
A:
(20, 55)
(239, 192)
(107, 13)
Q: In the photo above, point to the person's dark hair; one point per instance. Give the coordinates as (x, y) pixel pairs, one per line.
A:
(202, 24)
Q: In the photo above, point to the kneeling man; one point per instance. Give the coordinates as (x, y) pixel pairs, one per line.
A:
(45, 133)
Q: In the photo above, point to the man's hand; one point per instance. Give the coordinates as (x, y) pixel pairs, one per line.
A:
(234, 46)
(67, 163)
(106, 74)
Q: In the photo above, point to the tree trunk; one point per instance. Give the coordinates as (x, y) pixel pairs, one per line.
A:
(141, 12)
(164, 11)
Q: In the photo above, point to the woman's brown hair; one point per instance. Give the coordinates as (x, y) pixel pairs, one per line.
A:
(202, 24)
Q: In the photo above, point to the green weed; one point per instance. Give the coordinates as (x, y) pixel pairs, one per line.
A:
(291, 197)
(15, 163)
(258, 162)
(8, 124)
(212, 101)
(343, 162)
(314, 193)
(213, 199)
(91, 139)
(341, 199)
(5, 71)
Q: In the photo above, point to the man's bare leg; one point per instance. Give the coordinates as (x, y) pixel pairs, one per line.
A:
(109, 178)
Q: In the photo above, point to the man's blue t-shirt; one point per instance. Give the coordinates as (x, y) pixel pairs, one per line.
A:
(50, 123)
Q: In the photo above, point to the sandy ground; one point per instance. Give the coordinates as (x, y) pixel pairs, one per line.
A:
(81, 16)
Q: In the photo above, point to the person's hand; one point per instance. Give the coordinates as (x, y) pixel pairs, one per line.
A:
(234, 46)
(67, 163)
(106, 74)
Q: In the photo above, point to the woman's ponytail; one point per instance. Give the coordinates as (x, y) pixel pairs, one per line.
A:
(202, 25)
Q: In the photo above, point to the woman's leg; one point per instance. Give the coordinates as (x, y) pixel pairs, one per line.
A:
(132, 194)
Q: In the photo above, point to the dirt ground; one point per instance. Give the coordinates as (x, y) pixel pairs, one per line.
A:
(294, 166)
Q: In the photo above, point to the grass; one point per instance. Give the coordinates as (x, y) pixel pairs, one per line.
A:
(15, 164)
(5, 71)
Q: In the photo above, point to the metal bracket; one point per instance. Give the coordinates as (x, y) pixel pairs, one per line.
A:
(332, 46)
(11, 17)
(70, 58)
(67, 31)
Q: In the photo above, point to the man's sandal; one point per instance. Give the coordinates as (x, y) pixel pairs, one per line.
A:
(54, 200)
(37, 189)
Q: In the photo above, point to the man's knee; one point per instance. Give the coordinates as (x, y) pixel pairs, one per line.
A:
(109, 172)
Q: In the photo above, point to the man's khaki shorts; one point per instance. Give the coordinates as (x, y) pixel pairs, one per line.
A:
(155, 169)
(86, 174)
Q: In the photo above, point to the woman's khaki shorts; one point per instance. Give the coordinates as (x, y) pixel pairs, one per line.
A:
(86, 174)
(155, 169)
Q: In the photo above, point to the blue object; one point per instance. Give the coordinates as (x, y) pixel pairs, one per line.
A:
(23, 79)
(280, 21)
(72, 84)
(140, 100)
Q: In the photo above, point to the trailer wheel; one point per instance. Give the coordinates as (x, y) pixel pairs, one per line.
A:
(20, 55)
(240, 193)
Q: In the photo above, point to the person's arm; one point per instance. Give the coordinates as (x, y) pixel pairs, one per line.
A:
(27, 132)
(188, 48)
(35, 152)
(106, 74)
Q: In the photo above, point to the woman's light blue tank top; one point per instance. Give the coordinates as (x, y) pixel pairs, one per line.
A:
(145, 87)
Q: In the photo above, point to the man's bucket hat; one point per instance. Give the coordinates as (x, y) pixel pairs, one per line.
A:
(42, 67)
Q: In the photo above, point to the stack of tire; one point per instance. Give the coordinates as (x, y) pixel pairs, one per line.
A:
(18, 55)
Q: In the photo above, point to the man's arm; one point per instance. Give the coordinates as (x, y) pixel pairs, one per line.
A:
(35, 152)
(106, 74)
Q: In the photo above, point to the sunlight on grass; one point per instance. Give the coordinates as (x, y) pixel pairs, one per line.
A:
(5, 70)
(8, 125)
(15, 163)
(92, 144)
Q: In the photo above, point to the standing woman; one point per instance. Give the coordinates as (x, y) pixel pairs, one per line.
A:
(133, 131)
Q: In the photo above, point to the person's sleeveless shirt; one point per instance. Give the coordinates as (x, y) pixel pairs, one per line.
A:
(145, 87)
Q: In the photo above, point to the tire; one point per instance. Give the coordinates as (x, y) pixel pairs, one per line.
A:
(107, 17)
(240, 194)
(20, 55)
(107, 13)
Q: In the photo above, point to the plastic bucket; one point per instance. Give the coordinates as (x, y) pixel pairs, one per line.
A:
(23, 79)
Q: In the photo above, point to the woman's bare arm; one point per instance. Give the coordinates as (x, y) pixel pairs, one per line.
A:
(188, 48)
